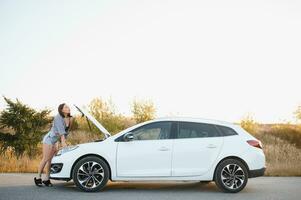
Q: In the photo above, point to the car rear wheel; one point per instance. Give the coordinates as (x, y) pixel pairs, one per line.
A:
(231, 175)
(91, 174)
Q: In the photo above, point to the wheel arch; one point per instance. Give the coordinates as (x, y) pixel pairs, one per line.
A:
(87, 155)
(231, 157)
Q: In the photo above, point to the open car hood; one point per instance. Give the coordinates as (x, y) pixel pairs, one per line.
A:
(94, 121)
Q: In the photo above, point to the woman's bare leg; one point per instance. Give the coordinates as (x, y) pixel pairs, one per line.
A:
(47, 152)
(48, 164)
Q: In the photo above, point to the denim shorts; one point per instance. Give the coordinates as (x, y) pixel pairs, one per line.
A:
(49, 140)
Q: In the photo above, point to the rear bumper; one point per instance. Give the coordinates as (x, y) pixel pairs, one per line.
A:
(256, 172)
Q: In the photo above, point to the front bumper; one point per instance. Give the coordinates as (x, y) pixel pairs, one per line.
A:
(56, 168)
(256, 172)
(61, 167)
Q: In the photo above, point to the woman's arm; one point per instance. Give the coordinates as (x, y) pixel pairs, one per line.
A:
(63, 141)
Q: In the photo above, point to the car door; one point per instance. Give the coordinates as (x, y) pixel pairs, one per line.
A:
(148, 154)
(196, 147)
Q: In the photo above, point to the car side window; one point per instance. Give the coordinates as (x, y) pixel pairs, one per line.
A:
(153, 131)
(227, 131)
(196, 130)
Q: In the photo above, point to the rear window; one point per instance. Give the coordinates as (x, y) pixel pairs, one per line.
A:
(196, 130)
(226, 131)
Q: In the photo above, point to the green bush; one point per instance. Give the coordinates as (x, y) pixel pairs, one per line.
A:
(23, 127)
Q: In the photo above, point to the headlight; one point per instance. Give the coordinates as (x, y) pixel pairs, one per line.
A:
(65, 150)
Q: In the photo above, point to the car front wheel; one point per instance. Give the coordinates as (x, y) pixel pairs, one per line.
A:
(231, 175)
(91, 174)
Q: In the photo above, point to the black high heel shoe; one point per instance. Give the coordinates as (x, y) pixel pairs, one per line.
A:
(47, 183)
(38, 181)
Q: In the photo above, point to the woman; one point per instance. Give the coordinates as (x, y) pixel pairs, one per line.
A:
(59, 130)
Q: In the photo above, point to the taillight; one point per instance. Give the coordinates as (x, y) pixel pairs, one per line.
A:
(255, 143)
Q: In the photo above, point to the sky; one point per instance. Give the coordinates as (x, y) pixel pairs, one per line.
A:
(212, 59)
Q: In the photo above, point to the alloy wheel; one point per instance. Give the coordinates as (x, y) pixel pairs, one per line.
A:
(232, 176)
(90, 174)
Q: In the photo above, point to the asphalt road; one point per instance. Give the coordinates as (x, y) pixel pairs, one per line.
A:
(20, 186)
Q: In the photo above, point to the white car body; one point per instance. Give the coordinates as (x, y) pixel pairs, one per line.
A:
(186, 159)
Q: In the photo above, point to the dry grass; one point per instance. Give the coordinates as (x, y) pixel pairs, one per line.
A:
(80, 136)
(10, 163)
(282, 155)
(287, 132)
(282, 147)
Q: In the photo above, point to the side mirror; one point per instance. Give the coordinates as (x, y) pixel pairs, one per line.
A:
(128, 137)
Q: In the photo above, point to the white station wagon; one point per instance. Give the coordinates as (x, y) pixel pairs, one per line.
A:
(169, 149)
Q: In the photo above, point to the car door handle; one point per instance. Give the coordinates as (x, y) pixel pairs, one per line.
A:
(211, 146)
(163, 149)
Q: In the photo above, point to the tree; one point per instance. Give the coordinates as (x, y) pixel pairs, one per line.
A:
(249, 124)
(298, 113)
(105, 113)
(143, 110)
(23, 127)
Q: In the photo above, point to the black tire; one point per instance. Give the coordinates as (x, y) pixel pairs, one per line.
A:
(91, 169)
(235, 180)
